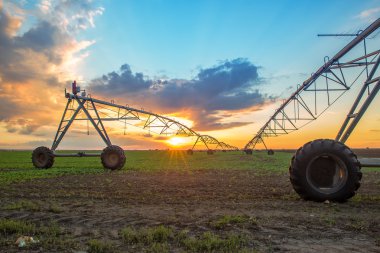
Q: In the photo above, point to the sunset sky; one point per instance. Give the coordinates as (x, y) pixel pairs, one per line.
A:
(223, 66)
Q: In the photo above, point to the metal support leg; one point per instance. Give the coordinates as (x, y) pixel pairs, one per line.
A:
(62, 119)
(100, 132)
(264, 143)
(59, 137)
(355, 105)
(100, 122)
(361, 112)
(195, 143)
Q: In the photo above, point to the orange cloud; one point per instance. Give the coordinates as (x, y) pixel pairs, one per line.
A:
(35, 65)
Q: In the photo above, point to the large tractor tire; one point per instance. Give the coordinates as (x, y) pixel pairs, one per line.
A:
(43, 158)
(113, 157)
(325, 170)
(270, 152)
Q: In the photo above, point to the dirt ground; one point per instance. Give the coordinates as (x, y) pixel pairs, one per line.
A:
(98, 206)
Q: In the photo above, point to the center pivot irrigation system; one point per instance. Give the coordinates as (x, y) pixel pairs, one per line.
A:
(97, 111)
(327, 169)
(320, 170)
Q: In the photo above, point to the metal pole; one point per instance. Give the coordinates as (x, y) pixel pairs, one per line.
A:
(195, 143)
(101, 123)
(357, 101)
(106, 141)
(263, 143)
(361, 112)
(56, 143)
(62, 119)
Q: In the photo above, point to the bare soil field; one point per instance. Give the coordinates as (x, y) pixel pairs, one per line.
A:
(190, 211)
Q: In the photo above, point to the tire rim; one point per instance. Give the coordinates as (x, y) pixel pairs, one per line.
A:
(113, 159)
(41, 158)
(326, 174)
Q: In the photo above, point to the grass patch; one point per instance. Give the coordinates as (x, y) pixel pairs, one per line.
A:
(365, 197)
(10, 227)
(54, 208)
(357, 225)
(16, 166)
(370, 169)
(96, 246)
(158, 239)
(209, 242)
(50, 237)
(28, 205)
(130, 235)
(329, 220)
(158, 248)
(159, 234)
(23, 205)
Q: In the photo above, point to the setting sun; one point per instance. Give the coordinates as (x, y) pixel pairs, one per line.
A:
(176, 141)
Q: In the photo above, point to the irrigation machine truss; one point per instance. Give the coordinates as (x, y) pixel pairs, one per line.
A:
(98, 111)
(327, 169)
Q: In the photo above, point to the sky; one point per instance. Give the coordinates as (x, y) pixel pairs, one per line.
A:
(223, 67)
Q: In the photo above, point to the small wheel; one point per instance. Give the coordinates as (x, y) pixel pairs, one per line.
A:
(325, 170)
(190, 151)
(248, 151)
(43, 158)
(270, 152)
(210, 152)
(113, 157)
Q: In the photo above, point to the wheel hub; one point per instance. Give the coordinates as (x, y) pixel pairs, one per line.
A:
(326, 174)
(41, 158)
(113, 159)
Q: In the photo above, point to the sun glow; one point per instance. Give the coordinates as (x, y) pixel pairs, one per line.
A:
(176, 141)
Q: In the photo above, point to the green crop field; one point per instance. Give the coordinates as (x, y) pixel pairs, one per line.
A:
(17, 166)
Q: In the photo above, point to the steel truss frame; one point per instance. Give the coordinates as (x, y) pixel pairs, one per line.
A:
(299, 110)
(94, 111)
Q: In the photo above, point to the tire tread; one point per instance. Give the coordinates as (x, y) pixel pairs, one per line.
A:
(307, 152)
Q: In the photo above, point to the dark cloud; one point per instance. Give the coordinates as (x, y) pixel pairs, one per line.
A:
(236, 101)
(28, 128)
(20, 126)
(8, 109)
(40, 38)
(42, 42)
(206, 120)
(126, 81)
(223, 87)
(231, 85)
